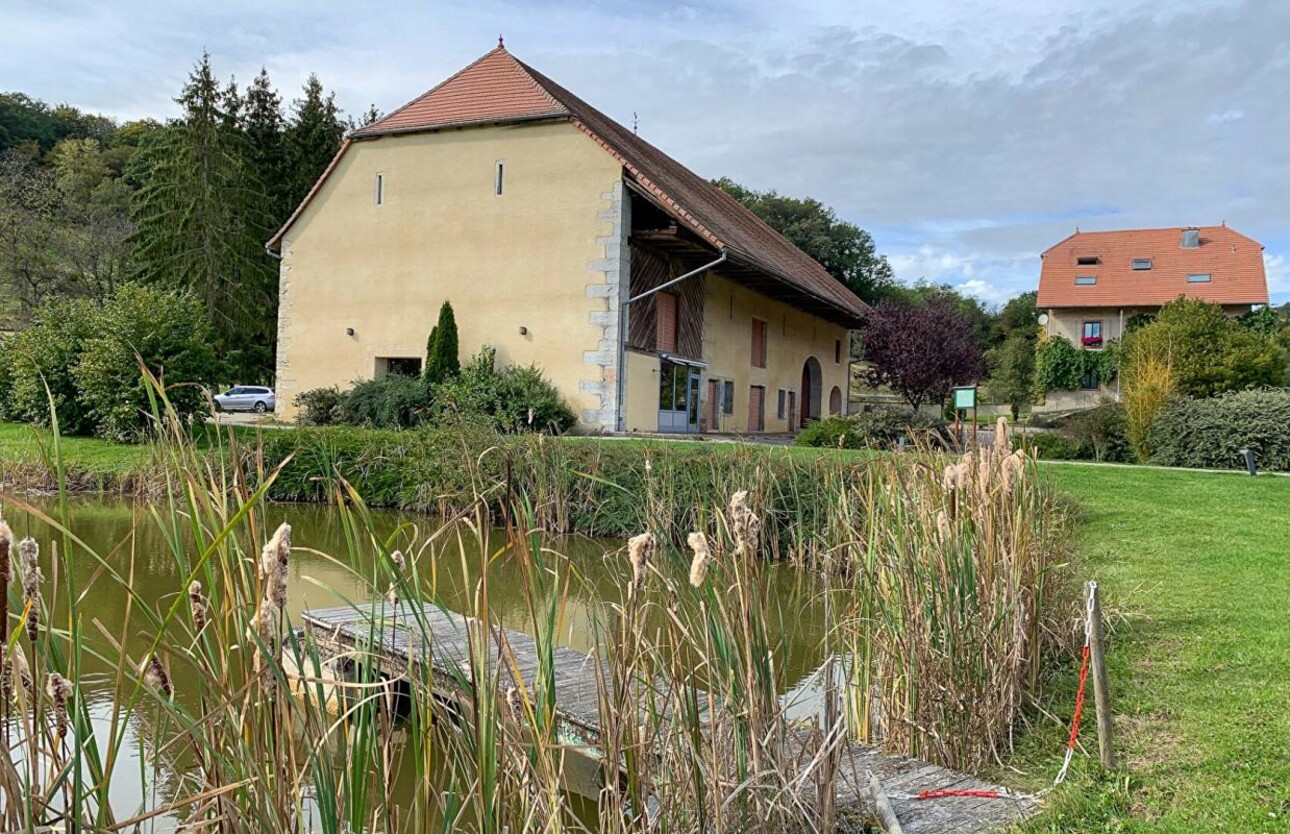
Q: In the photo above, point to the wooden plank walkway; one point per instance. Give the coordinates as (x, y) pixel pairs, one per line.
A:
(396, 638)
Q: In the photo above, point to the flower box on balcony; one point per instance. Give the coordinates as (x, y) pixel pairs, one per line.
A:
(1093, 341)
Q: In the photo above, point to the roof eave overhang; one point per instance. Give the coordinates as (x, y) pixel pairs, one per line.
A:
(366, 133)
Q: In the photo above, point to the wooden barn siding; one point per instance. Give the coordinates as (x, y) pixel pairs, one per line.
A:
(651, 268)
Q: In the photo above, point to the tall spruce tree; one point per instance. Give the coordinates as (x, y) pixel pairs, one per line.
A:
(201, 223)
(313, 138)
(266, 137)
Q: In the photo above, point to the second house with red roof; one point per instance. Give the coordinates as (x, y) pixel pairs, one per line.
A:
(1093, 284)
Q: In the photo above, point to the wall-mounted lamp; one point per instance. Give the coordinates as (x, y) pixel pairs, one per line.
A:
(349, 331)
(524, 331)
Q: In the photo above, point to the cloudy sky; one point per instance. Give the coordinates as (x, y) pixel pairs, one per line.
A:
(966, 135)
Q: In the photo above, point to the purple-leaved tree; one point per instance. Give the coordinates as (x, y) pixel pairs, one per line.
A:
(920, 351)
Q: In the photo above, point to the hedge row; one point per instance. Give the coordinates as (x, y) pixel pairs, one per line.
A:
(1210, 433)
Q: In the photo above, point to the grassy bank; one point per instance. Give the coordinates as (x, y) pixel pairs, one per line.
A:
(1195, 569)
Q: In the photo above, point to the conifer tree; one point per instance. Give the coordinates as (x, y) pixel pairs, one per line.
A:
(442, 362)
(267, 146)
(201, 223)
(313, 138)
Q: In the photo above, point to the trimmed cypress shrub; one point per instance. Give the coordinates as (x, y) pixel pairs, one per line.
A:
(442, 362)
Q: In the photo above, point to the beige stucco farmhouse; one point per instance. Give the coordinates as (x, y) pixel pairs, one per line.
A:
(650, 298)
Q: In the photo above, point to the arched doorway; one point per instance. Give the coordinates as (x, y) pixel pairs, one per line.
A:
(812, 389)
(835, 401)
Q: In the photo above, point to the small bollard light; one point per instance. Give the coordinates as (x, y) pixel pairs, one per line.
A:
(1248, 455)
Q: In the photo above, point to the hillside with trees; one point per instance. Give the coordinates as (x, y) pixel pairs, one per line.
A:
(88, 204)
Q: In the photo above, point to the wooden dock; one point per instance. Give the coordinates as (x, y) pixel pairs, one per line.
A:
(395, 637)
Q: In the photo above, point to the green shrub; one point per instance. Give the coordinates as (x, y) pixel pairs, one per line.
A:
(1101, 433)
(1208, 351)
(1209, 433)
(169, 334)
(876, 428)
(46, 352)
(392, 402)
(319, 406)
(513, 399)
(6, 380)
(1052, 446)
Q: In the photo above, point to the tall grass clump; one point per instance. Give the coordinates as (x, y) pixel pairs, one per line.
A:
(959, 596)
(1149, 383)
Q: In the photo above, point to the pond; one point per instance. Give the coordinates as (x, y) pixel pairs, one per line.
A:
(324, 573)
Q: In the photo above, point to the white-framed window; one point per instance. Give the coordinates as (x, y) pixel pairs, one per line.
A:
(1198, 278)
(379, 189)
(499, 178)
(1140, 264)
(1085, 280)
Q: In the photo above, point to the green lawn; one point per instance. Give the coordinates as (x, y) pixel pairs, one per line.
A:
(27, 444)
(1195, 568)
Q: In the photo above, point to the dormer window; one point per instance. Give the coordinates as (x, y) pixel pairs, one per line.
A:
(1140, 264)
(1191, 239)
(1088, 260)
(1085, 280)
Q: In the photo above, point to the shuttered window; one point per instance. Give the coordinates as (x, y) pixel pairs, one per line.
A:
(757, 408)
(758, 343)
(666, 326)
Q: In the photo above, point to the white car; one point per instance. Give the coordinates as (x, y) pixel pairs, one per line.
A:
(246, 398)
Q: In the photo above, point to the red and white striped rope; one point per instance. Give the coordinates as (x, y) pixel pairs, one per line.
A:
(1083, 680)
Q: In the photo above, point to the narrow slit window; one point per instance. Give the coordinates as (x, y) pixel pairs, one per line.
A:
(1088, 260)
(380, 189)
(1085, 280)
(1198, 278)
(783, 403)
(499, 179)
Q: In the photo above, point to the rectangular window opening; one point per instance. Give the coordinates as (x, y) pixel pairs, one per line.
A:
(783, 398)
(1198, 278)
(1085, 280)
(837, 351)
(758, 343)
(1088, 260)
(728, 397)
(1092, 334)
(380, 189)
(1140, 264)
(499, 179)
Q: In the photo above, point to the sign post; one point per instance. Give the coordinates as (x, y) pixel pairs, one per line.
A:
(965, 399)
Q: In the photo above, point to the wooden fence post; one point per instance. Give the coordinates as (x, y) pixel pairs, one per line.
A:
(1101, 687)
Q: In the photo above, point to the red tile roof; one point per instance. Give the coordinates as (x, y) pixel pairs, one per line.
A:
(497, 88)
(1233, 261)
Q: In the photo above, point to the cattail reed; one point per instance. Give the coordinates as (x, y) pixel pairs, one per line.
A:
(198, 606)
(154, 675)
(274, 560)
(702, 556)
(59, 690)
(29, 574)
(396, 559)
(744, 524)
(638, 552)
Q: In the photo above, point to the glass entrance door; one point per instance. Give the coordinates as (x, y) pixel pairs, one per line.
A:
(678, 397)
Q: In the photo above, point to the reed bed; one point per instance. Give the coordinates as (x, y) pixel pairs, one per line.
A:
(944, 585)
